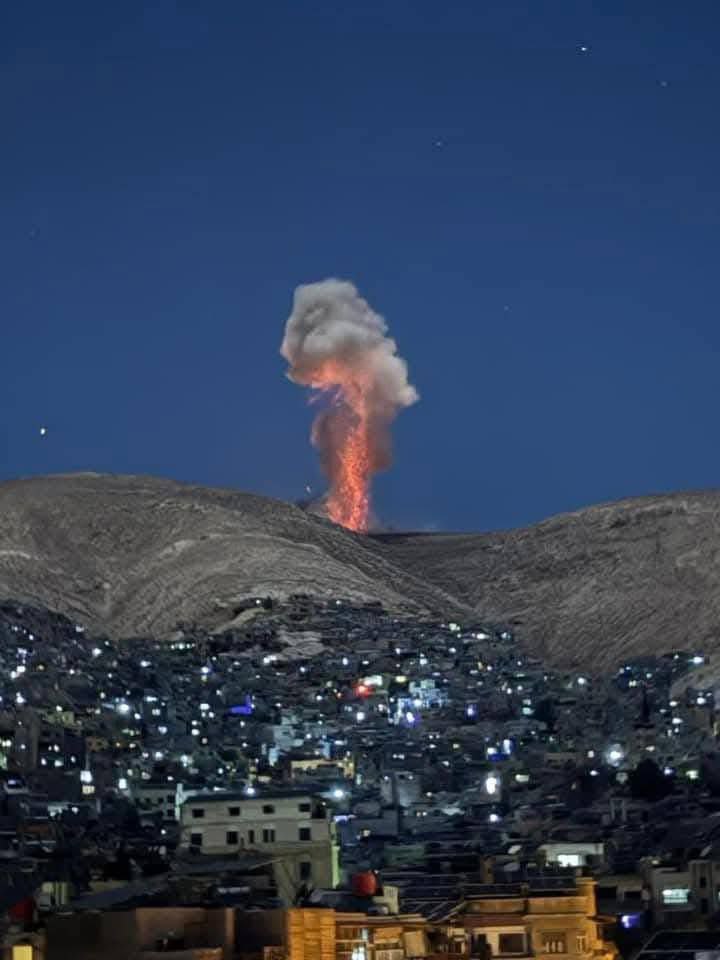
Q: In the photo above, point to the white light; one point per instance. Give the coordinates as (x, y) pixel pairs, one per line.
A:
(360, 716)
(491, 784)
(96, 651)
(582, 681)
(123, 708)
(494, 818)
(122, 783)
(86, 776)
(697, 660)
(338, 793)
(250, 791)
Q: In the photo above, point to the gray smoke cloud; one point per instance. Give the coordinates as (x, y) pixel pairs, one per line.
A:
(334, 341)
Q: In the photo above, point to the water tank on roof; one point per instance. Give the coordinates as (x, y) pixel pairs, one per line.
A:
(364, 884)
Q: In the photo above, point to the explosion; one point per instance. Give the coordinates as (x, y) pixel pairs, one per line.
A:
(337, 345)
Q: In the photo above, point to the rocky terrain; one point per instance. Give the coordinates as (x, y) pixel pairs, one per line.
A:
(594, 587)
(136, 556)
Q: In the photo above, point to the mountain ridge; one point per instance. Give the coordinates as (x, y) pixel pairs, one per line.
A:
(134, 555)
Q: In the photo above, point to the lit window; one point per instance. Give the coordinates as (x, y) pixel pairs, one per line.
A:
(569, 860)
(676, 895)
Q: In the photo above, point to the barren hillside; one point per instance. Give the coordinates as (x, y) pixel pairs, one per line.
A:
(136, 555)
(594, 587)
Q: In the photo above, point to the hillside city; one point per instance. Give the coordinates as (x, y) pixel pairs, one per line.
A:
(328, 779)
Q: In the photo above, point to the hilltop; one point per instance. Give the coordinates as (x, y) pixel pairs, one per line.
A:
(137, 555)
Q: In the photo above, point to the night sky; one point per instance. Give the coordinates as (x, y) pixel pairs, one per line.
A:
(528, 192)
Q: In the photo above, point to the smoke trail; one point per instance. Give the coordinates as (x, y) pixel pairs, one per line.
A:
(336, 344)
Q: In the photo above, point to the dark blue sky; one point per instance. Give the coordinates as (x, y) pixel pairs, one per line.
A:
(171, 170)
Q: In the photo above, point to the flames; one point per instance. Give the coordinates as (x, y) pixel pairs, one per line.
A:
(348, 393)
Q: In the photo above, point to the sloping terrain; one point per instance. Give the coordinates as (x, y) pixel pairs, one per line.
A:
(138, 555)
(591, 588)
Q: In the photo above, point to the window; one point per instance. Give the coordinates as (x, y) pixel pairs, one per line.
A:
(304, 807)
(569, 860)
(511, 943)
(231, 838)
(196, 839)
(305, 870)
(268, 808)
(251, 836)
(233, 811)
(198, 813)
(581, 943)
(676, 896)
(554, 942)
(269, 835)
(304, 833)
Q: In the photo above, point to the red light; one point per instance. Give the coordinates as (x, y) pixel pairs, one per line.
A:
(361, 690)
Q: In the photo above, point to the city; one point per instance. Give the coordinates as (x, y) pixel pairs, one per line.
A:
(326, 772)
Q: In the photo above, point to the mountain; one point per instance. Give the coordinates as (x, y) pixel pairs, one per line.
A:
(135, 556)
(593, 588)
(589, 589)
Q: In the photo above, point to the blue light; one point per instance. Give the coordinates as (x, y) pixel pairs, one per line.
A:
(243, 709)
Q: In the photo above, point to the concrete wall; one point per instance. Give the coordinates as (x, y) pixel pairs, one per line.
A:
(120, 935)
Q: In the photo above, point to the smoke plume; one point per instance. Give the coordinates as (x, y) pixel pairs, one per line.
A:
(336, 344)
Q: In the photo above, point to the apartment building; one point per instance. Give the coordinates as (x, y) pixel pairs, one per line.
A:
(292, 827)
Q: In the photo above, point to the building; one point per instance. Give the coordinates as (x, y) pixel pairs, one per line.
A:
(536, 919)
(326, 934)
(155, 797)
(293, 827)
(573, 853)
(189, 933)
